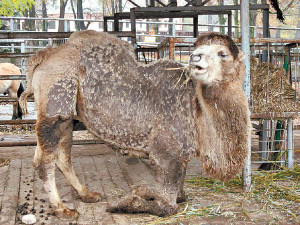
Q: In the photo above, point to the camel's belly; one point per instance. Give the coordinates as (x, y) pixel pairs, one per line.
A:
(118, 127)
(4, 86)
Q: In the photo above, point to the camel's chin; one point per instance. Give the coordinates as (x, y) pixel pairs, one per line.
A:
(201, 75)
(201, 71)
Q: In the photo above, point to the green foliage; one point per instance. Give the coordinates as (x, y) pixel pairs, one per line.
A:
(10, 7)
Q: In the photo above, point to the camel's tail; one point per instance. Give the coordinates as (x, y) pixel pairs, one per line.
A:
(23, 101)
(28, 92)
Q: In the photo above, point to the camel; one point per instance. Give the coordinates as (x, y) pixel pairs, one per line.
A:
(149, 111)
(13, 88)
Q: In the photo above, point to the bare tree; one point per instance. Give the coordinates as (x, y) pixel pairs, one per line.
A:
(44, 15)
(80, 15)
(236, 19)
(62, 7)
(298, 23)
(253, 15)
(30, 24)
(222, 18)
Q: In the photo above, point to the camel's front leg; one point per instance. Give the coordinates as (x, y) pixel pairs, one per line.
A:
(162, 200)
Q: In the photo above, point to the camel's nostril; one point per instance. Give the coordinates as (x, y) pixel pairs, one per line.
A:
(195, 58)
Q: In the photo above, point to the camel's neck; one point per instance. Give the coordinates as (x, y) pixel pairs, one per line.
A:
(223, 125)
(218, 95)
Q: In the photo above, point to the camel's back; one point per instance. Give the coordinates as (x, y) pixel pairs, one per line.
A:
(127, 103)
(9, 69)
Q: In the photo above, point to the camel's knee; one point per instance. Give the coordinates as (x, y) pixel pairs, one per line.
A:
(52, 131)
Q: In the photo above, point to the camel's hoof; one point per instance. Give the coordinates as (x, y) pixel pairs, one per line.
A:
(181, 197)
(136, 204)
(91, 197)
(130, 204)
(65, 213)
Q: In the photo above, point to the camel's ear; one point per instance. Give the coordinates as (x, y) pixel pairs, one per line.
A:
(241, 56)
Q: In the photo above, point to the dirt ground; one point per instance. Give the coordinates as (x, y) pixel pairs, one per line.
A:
(274, 197)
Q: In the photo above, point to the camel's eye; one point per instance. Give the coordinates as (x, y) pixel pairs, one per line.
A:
(195, 58)
(222, 55)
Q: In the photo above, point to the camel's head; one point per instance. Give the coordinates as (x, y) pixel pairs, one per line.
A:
(216, 58)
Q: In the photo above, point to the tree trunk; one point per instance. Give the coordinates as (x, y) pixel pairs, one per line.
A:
(120, 6)
(44, 14)
(30, 24)
(61, 23)
(222, 19)
(236, 20)
(113, 10)
(80, 15)
(253, 15)
(298, 24)
(75, 15)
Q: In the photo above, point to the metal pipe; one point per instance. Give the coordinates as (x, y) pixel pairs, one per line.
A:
(11, 25)
(290, 144)
(229, 24)
(245, 18)
(196, 26)
(133, 26)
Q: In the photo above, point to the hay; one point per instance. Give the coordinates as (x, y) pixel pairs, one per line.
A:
(270, 190)
(4, 162)
(270, 89)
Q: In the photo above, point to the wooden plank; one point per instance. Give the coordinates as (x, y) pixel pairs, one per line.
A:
(116, 174)
(85, 211)
(65, 191)
(26, 195)
(11, 193)
(42, 204)
(135, 171)
(43, 35)
(12, 77)
(109, 187)
(9, 100)
(15, 55)
(77, 150)
(34, 35)
(94, 212)
(3, 179)
(274, 115)
(13, 152)
(16, 122)
(222, 8)
(33, 143)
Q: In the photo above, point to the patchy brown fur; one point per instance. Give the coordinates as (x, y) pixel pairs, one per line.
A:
(216, 38)
(139, 109)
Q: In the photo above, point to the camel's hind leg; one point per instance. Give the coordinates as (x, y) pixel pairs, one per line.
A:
(13, 94)
(65, 166)
(54, 147)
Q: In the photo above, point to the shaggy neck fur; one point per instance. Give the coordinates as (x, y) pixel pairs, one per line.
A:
(222, 118)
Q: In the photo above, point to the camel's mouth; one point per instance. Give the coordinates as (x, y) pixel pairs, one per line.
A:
(200, 69)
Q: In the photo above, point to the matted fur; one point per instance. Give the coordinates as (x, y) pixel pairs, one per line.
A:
(143, 110)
